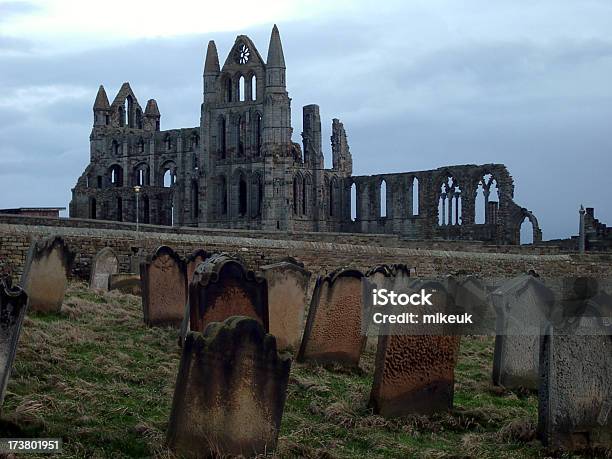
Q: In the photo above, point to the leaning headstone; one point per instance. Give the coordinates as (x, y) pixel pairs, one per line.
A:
(222, 287)
(523, 306)
(575, 400)
(333, 329)
(13, 301)
(104, 264)
(415, 374)
(230, 391)
(287, 289)
(45, 275)
(164, 292)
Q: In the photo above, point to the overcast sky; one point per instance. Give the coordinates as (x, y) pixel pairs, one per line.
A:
(418, 85)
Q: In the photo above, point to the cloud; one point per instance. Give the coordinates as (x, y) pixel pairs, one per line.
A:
(416, 87)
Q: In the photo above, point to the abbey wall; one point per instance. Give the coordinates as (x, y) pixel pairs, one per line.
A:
(240, 168)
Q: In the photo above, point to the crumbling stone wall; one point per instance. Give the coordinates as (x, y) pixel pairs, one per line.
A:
(240, 168)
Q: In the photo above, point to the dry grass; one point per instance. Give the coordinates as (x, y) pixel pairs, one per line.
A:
(97, 377)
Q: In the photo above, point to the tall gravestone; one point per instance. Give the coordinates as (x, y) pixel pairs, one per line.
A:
(575, 395)
(523, 306)
(45, 275)
(471, 296)
(333, 329)
(164, 288)
(415, 374)
(222, 287)
(230, 391)
(287, 288)
(104, 265)
(13, 301)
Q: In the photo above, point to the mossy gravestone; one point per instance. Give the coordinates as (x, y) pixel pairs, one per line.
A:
(104, 264)
(230, 391)
(164, 288)
(13, 302)
(222, 287)
(575, 394)
(45, 275)
(287, 288)
(333, 329)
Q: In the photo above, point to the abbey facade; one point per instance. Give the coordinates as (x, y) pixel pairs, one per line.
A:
(240, 168)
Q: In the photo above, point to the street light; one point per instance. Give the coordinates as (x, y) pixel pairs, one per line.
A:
(137, 191)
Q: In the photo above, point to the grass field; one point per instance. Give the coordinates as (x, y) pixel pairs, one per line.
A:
(97, 377)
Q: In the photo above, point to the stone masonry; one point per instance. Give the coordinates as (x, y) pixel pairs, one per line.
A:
(240, 168)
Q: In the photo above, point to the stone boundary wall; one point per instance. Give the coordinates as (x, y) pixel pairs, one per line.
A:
(319, 257)
(380, 240)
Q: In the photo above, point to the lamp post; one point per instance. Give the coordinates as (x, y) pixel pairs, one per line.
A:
(137, 191)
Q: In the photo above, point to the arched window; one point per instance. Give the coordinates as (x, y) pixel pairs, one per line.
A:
(353, 202)
(239, 129)
(92, 209)
(415, 196)
(116, 176)
(242, 196)
(168, 178)
(228, 89)
(449, 203)
(487, 201)
(115, 148)
(253, 87)
(222, 195)
(306, 186)
(222, 139)
(526, 231)
(168, 143)
(241, 89)
(257, 125)
(383, 198)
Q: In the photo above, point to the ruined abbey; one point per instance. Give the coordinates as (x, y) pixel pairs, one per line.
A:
(240, 168)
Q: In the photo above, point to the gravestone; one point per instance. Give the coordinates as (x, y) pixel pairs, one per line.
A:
(104, 264)
(230, 391)
(222, 287)
(193, 260)
(415, 374)
(523, 306)
(575, 396)
(125, 283)
(287, 288)
(471, 296)
(164, 291)
(45, 275)
(13, 301)
(333, 329)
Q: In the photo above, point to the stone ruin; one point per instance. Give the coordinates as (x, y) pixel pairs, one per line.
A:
(104, 265)
(13, 302)
(222, 287)
(333, 329)
(287, 289)
(523, 305)
(415, 374)
(230, 391)
(164, 287)
(575, 400)
(45, 275)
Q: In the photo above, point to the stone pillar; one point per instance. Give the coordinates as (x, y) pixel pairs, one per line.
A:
(581, 235)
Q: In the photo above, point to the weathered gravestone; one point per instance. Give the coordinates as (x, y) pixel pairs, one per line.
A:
(230, 391)
(523, 306)
(125, 283)
(222, 287)
(193, 260)
(13, 301)
(333, 329)
(104, 264)
(164, 291)
(45, 275)
(471, 296)
(415, 374)
(287, 289)
(575, 394)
